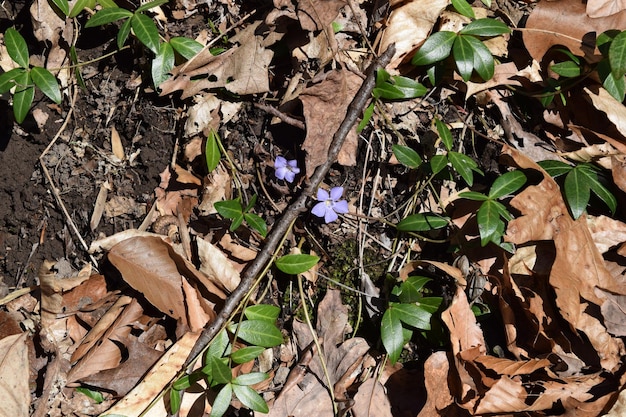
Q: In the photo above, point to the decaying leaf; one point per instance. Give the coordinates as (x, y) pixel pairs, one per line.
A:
(14, 377)
(614, 110)
(217, 266)
(604, 8)
(315, 15)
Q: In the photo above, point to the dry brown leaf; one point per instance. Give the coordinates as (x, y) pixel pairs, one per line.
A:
(98, 207)
(604, 8)
(465, 333)
(615, 111)
(503, 366)
(613, 311)
(316, 15)
(453, 271)
(14, 376)
(606, 232)
(618, 171)
(216, 266)
(591, 153)
(565, 22)
(408, 27)
(116, 144)
(436, 370)
(324, 106)
(371, 400)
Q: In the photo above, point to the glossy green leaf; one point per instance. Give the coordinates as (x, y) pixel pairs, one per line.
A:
(502, 210)
(150, 5)
(367, 116)
(251, 378)
(256, 222)
(444, 133)
(122, 35)
(436, 48)
(438, 163)
(77, 73)
(236, 222)
(220, 371)
(473, 195)
(596, 186)
(146, 31)
(430, 304)
(488, 219)
(7, 79)
(555, 168)
(212, 151)
(250, 398)
(463, 54)
(262, 312)
(107, 3)
(16, 47)
(391, 334)
(229, 209)
(47, 83)
(422, 222)
(94, 395)
(258, 332)
(464, 165)
(187, 48)
(412, 315)
(399, 88)
(175, 401)
(617, 55)
(464, 8)
(411, 289)
(183, 382)
(246, 354)
(294, 264)
(616, 87)
(507, 183)
(218, 346)
(604, 40)
(162, 64)
(80, 5)
(568, 69)
(222, 401)
(407, 156)
(483, 60)
(23, 97)
(62, 5)
(108, 15)
(485, 27)
(577, 192)
(251, 203)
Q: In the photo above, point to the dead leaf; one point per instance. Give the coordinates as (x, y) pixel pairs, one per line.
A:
(316, 15)
(324, 106)
(14, 376)
(116, 144)
(216, 266)
(503, 366)
(604, 8)
(618, 171)
(606, 232)
(371, 400)
(615, 111)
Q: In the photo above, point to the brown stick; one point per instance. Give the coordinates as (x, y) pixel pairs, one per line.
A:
(355, 109)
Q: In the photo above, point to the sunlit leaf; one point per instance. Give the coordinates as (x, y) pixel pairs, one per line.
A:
(146, 31)
(218, 346)
(246, 354)
(437, 47)
(411, 289)
(23, 97)
(483, 60)
(251, 378)
(616, 87)
(80, 5)
(464, 56)
(77, 73)
(122, 35)
(108, 15)
(438, 163)
(229, 209)
(485, 27)
(391, 334)
(617, 55)
(47, 83)
(488, 219)
(596, 186)
(367, 116)
(555, 168)
(150, 5)
(577, 192)
(186, 47)
(256, 222)
(296, 263)
(422, 222)
(507, 183)
(162, 64)
(7, 79)
(464, 8)
(413, 315)
(175, 401)
(262, 312)
(222, 401)
(250, 398)
(220, 371)
(568, 69)
(63, 6)
(258, 332)
(444, 134)
(604, 40)
(464, 165)
(94, 395)
(473, 195)
(407, 156)
(212, 151)
(16, 47)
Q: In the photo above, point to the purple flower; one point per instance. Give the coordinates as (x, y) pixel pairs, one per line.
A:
(329, 204)
(286, 170)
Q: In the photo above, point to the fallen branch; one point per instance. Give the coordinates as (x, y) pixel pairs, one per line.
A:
(355, 109)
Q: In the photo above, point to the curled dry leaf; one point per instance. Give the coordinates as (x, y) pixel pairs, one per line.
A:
(604, 8)
(614, 110)
(14, 368)
(216, 266)
(439, 397)
(618, 171)
(316, 15)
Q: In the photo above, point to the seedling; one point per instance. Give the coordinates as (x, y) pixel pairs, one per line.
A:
(232, 209)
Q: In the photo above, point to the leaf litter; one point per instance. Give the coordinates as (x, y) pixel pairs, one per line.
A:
(560, 295)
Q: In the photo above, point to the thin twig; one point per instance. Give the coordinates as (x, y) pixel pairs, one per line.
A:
(355, 109)
(292, 121)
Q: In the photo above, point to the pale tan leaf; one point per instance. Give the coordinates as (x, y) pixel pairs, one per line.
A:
(465, 333)
(604, 8)
(591, 153)
(316, 15)
(408, 27)
(98, 207)
(503, 366)
(116, 144)
(439, 397)
(371, 400)
(216, 266)
(615, 111)
(606, 232)
(14, 376)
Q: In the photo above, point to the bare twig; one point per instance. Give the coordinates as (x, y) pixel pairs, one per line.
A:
(355, 109)
(292, 121)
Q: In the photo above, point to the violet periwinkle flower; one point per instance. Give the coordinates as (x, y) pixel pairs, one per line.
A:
(286, 170)
(330, 204)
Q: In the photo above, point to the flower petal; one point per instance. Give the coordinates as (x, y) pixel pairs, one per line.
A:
(336, 193)
(341, 206)
(330, 216)
(281, 173)
(322, 195)
(289, 175)
(280, 162)
(319, 209)
(293, 164)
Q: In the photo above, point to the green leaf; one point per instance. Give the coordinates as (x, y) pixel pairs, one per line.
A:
(74, 60)
(7, 80)
(162, 64)
(220, 372)
(187, 48)
(175, 401)
(79, 6)
(16, 47)
(246, 354)
(399, 88)
(617, 55)
(577, 192)
(412, 315)
(568, 69)
(555, 168)
(212, 151)
(391, 334)
(108, 15)
(23, 97)
(122, 35)
(251, 378)
(237, 220)
(483, 60)
(94, 395)
(256, 222)
(296, 263)
(407, 156)
(184, 382)
(438, 163)
(463, 54)
(436, 48)
(62, 5)
(422, 222)
(258, 332)
(604, 40)
(596, 186)
(502, 211)
(150, 5)
(47, 83)
(146, 31)
(262, 312)
(107, 3)
(228, 209)
(464, 165)
(615, 86)
(218, 347)
(222, 401)
(411, 289)
(488, 218)
(464, 8)
(485, 27)
(250, 398)
(507, 184)
(444, 133)
(473, 195)
(367, 116)
(430, 304)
